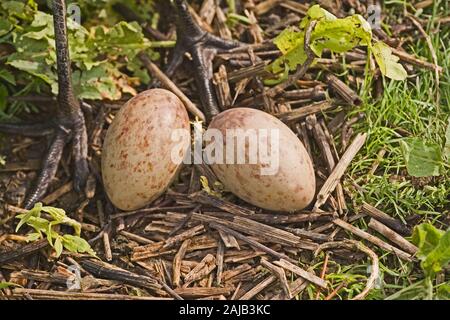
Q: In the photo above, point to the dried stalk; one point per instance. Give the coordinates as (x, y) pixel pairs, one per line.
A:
(157, 73)
(258, 288)
(393, 236)
(350, 244)
(385, 219)
(58, 295)
(339, 171)
(378, 242)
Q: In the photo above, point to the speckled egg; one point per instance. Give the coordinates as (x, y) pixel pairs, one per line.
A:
(137, 161)
(280, 178)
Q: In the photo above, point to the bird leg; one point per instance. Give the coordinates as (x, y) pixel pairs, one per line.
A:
(202, 47)
(67, 126)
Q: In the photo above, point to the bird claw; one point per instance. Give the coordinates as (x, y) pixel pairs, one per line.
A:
(62, 134)
(202, 46)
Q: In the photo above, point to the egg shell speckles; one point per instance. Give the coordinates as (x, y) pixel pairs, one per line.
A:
(289, 189)
(137, 166)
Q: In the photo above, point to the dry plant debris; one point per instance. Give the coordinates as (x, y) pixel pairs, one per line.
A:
(191, 244)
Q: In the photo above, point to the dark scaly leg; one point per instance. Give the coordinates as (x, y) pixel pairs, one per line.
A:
(202, 47)
(221, 44)
(29, 130)
(69, 124)
(80, 155)
(203, 66)
(70, 117)
(48, 171)
(175, 60)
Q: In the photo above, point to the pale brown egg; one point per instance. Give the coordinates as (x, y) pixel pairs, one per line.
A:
(281, 178)
(137, 161)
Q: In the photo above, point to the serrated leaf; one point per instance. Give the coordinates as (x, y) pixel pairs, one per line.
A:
(288, 39)
(434, 248)
(105, 49)
(35, 67)
(422, 158)
(336, 34)
(388, 62)
(426, 237)
(316, 12)
(439, 257)
(340, 35)
(43, 226)
(41, 27)
(290, 43)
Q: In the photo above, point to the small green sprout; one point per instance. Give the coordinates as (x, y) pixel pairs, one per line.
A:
(42, 226)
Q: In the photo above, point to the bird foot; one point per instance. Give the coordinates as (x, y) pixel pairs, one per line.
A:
(201, 46)
(64, 130)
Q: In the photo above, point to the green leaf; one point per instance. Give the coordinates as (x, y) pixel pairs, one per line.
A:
(49, 232)
(290, 43)
(34, 66)
(7, 76)
(336, 34)
(447, 142)
(31, 237)
(439, 257)
(4, 285)
(423, 159)
(39, 224)
(74, 224)
(41, 27)
(434, 248)
(5, 27)
(100, 54)
(278, 77)
(288, 39)
(443, 292)
(25, 65)
(56, 213)
(42, 226)
(340, 35)
(426, 237)
(77, 245)
(316, 12)
(58, 246)
(24, 218)
(388, 62)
